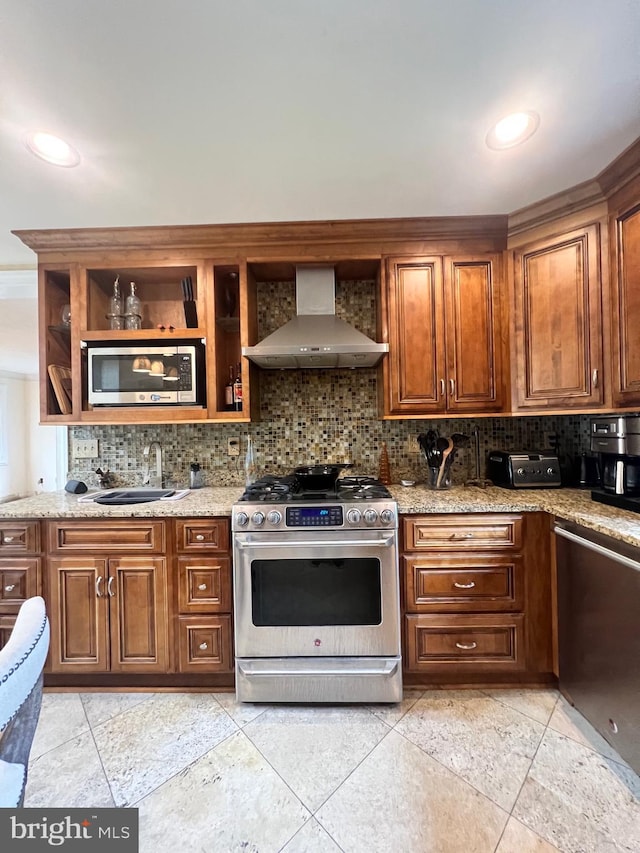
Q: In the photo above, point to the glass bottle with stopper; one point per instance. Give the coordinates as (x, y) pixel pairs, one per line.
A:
(116, 314)
(133, 313)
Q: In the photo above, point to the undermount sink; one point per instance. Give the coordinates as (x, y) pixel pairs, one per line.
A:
(118, 497)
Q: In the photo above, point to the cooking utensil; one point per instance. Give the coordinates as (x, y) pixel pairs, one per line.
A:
(446, 451)
(319, 478)
(428, 445)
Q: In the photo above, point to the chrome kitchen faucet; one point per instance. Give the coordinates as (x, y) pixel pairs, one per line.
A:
(147, 480)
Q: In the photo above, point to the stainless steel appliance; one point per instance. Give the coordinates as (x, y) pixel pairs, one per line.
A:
(617, 441)
(522, 470)
(316, 593)
(598, 638)
(146, 375)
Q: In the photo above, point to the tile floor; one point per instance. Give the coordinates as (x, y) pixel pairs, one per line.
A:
(510, 771)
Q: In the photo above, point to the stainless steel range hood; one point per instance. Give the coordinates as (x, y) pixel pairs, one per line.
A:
(315, 337)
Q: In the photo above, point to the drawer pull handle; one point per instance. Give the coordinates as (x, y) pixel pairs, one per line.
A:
(8, 538)
(200, 537)
(466, 646)
(202, 586)
(98, 590)
(461, 536)
(9, 587)
(469, 585)
(110, 587)
(203, 646)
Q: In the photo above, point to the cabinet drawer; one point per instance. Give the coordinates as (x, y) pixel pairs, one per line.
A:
(202, 534)
(19, 536)
(204, 644)
(106, 536)
(19, 580)
(467, 643)
(205, 584)
(6, 627)
(474, 582)
(453, 532)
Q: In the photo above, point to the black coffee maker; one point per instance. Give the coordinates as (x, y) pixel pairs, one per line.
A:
(617, 441)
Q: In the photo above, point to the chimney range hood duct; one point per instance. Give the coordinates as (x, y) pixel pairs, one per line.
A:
(315, 337)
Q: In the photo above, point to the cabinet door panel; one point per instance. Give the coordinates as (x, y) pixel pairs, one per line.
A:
(19, 580)
(626, 310)
(416, 336)
(558, 322)
(138, 614)
(205, 584)
(473, 347)
(78, 615)
(204, 644)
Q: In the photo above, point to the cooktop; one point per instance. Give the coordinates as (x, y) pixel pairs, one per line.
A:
(273, 489)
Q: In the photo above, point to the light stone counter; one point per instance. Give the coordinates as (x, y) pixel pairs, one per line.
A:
(569, 504)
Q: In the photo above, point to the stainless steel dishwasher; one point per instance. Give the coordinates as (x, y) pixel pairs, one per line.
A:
(599, 633)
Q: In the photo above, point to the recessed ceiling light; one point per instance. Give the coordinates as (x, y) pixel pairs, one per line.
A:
(513, 129)
(52, 149)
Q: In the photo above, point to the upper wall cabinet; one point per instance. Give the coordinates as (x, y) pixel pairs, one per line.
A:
(557, 323)
(445, 349)
(625, 309)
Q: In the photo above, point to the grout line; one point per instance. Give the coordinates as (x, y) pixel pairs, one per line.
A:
(95, 743)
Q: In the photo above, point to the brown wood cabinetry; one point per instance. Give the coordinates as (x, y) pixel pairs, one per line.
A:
(476, 597)
(204, 595)
(20, 570)
(625, 287)
(445, 348)
(557, 322)
(108, 613)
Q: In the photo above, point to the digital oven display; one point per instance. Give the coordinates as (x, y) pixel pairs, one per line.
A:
(314, 516)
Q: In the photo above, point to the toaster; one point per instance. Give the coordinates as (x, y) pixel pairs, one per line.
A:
(524, 470)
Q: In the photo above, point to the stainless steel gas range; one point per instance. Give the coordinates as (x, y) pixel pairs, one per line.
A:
(316, 593)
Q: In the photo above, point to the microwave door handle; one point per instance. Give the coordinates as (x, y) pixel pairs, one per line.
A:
(344, 543)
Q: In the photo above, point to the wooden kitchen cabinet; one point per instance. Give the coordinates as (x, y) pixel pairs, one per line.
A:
(476, 597)
(108, 613)
(557, 322)
(204, 598)
(20, 570)
(445, 345)
(625, 289)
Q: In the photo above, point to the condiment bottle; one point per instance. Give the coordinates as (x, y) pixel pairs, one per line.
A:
(133, 314)
(115, 306)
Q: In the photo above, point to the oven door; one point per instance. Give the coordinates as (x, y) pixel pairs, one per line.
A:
(335, 593)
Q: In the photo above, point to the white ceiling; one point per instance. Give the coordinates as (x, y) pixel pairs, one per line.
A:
(204, 111)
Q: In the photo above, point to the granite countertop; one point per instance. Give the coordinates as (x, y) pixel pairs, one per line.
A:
(569, 504)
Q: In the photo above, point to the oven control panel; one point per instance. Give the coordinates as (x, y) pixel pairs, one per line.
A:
(354, 516)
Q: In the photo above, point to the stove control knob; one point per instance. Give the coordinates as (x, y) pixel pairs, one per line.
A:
(241, 519)
(353, 516)
(370, 516)
(258, 518)
(386, 516)
(274, 517)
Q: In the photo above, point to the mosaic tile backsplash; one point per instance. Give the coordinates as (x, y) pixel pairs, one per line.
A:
(312, 416)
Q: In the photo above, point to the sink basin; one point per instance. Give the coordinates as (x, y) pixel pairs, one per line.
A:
(119, 497)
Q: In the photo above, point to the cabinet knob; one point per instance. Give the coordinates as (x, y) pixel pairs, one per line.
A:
(8, 538)
(9, 587)
(466, 646)
(200, 537)
(464, 585)
(202, 586)
(203, 646)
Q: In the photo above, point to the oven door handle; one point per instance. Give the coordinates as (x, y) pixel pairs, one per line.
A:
(344, 543)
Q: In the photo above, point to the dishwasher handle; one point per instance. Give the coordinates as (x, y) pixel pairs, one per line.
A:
(599, 549)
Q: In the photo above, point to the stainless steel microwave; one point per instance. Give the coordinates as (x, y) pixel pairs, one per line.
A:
(145, 375)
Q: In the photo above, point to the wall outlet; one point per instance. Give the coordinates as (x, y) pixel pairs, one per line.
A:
(233, 447)
(85, 448)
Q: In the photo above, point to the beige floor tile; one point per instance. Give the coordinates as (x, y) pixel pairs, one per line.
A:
(228, 800)
(69, 776)
(570, 723)
(312, 838)
(100, 707)
(146, 745)
(240, 712)
(534, 702)
(400, 799)
(488, 744)
(62, 718)
(315, 748)
(391, 714)
(517, 838)
(579, 800)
